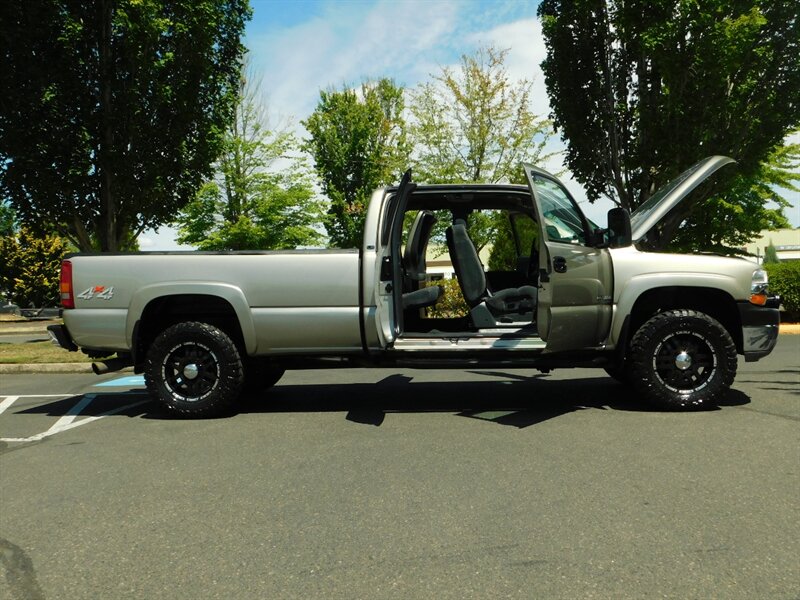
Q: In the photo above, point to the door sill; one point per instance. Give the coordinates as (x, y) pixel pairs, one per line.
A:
(485, 339)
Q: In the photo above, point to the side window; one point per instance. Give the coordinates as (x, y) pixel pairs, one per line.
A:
(563, 222)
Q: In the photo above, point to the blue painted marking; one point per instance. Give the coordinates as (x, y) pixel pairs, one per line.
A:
(131, 380)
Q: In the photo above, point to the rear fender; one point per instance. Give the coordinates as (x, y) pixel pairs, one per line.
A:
(230, 293)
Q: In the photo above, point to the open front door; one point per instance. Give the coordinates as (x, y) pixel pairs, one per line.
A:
(389, 289)
(575, 279)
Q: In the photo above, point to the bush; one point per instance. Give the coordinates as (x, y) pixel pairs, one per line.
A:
(29, 268)
(452, 303)
(784, 280)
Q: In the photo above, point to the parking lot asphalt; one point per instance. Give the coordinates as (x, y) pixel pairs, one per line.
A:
(402, 484)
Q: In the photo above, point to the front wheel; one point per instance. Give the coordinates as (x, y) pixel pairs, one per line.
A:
(194, 369)
(682, 359)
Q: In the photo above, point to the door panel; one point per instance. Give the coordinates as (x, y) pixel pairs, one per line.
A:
(580, 297)
(388, 267)
(575, 280)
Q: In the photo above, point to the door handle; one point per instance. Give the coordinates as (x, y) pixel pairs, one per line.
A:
(559, 264)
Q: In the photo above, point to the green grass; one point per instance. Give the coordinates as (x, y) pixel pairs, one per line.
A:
(39, 352)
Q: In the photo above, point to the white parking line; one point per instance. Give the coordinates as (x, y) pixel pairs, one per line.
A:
(73, 412)
(7, 402)
(67, 421)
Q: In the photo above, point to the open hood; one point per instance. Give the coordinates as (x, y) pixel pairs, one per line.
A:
(667, 197)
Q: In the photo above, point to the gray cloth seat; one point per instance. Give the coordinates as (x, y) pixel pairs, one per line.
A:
(484, 303)
(414, 265)
(426, 296)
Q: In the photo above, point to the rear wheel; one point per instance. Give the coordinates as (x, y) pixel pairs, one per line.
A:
(194, 369)
(682, 359)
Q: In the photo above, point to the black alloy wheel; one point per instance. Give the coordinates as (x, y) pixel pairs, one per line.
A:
(194, 369)
(682, 359)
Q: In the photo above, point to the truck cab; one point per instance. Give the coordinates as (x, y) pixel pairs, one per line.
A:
(564, 293)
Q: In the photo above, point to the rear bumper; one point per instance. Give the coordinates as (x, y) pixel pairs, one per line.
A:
(60, 336)
(759, 330)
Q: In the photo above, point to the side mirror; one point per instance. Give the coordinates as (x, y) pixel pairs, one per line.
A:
(619, 228)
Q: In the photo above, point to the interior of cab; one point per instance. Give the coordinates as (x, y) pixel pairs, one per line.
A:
(469, 261)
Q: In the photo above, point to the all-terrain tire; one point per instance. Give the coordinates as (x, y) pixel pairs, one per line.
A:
(194, 369)
(682, 359)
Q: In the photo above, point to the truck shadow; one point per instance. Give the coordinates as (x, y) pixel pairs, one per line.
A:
(516, 400)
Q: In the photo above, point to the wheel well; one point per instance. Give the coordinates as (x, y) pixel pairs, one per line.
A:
(715, 303)
(165, 311)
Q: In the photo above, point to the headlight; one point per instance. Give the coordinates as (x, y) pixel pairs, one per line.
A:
(758, 287)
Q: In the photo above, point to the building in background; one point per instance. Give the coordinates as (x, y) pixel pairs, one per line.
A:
(786, 242)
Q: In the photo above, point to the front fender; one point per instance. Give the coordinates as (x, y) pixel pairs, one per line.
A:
(230, 293)
(633, 289)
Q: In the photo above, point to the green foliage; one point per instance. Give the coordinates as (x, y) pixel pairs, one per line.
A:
(784, 280)
(358, 143)
(249, 205)
(451, 304)
(474, 124)
(504, 254)
(29, 268)
(771, 255)
(725, 223)
(7, 220)
(278, 216)
(117, 111)
(642, 90)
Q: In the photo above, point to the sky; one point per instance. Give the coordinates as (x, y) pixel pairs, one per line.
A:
(298, 47)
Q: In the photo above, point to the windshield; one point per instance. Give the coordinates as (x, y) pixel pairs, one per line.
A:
(563, 221)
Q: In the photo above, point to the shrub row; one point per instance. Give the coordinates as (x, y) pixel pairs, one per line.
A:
(784, 280)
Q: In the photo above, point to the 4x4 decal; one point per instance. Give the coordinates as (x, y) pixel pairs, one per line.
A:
(100, 292)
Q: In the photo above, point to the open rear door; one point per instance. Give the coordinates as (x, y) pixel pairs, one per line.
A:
(389, 289)
(575, 279)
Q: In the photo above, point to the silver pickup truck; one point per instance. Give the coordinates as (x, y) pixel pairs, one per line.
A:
(204, 326)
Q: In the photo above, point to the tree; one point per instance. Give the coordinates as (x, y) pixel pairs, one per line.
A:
(643, 89)
(475, 125)
(117, 110)
(771, 255)
(30, 268)
(358, 143)
(248, 205)
(725, 223)
(7, 220)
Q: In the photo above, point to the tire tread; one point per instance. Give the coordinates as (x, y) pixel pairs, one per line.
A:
(640, 353)
(232, 371)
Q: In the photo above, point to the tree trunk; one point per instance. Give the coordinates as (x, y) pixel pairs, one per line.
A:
(107, 223)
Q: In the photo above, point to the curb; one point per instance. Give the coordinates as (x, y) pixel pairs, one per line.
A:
(9, 369)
